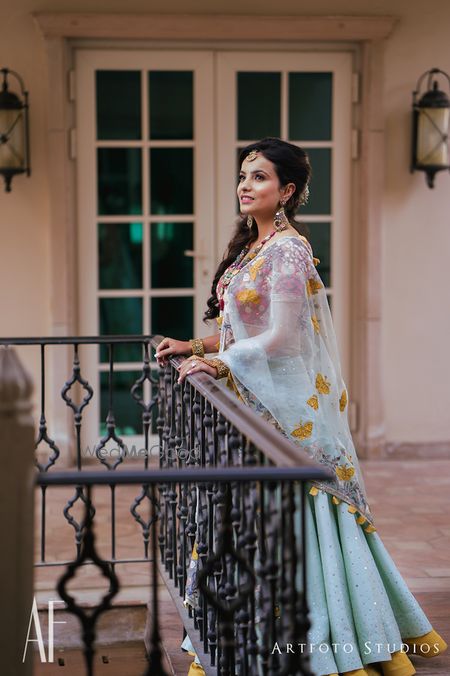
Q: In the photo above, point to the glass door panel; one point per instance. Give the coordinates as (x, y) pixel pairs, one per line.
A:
(258, 104)
(145, 125)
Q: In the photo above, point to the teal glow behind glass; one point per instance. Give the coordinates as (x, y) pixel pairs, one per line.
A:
(119, 181)
(310, 106)
(119, 255)
(171, 106)
(259, 105)
(121, 316)
(170, 268)
(171, 180)
(118, 97)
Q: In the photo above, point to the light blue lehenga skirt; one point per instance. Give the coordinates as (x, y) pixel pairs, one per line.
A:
(360, 608)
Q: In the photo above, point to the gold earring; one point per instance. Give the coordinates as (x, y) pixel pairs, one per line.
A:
(249, 221)
(281, 221)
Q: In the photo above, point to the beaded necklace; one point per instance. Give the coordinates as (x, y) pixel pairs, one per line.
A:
(236, 266)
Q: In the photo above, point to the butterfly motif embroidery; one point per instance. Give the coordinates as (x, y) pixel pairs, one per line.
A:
(322, 384)
(303, 431)
(255, 268)
(343, 400)
(313, 286)
(313, 402)
(345, 473)
(248, 296)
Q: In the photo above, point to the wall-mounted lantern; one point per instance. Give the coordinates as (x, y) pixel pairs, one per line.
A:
(14, 136)
(431, 114)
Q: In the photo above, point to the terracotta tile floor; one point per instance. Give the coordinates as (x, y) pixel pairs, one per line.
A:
(410, 501)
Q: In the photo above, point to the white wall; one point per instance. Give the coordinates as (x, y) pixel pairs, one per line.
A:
(416, 220)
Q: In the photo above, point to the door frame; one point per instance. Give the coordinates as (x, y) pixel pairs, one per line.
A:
(365, 36)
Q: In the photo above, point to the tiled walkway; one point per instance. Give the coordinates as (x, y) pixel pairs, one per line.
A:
(411, 505)
(410, 501)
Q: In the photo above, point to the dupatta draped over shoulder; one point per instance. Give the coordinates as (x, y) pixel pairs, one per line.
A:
(277, 338)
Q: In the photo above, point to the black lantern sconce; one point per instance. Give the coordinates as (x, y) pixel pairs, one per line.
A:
(14, 136)
(431, 116)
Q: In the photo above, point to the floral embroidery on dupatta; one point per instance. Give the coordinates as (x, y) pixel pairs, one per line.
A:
(283, 289)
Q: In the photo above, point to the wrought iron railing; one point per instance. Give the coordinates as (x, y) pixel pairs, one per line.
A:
(229, 490)
(96, 452)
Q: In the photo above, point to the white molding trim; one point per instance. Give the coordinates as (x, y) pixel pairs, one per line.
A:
(368, 34)
(213, 27)
(366, 367)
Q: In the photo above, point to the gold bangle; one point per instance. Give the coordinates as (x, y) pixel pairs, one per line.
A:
(197, 347)
(222, 368)
(218, 364)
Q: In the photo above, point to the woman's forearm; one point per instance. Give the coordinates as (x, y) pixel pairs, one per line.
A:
(211, 343)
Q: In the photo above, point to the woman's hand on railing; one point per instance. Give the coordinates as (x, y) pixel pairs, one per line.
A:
(195, 364)
(169, 347)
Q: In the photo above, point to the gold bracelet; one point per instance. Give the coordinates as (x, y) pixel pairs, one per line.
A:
(197, 347)
(222, 368)
(218, 364)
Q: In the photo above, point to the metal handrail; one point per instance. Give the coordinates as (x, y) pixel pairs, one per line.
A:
(194, 474)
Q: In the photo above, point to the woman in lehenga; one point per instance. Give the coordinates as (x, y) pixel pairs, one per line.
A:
(277, 349)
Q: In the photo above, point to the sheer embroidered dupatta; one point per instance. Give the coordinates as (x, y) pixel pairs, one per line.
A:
(278, 340)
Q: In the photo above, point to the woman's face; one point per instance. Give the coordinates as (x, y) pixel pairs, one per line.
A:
(259, 189)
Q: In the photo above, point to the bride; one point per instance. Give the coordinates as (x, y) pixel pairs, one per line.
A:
(277, 350)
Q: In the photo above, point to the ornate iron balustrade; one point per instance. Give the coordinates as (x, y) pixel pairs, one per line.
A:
(248, 533)
(77, 406)
(251, 573)
(253, 579)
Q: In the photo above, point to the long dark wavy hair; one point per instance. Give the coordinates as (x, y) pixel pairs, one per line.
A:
(292, 166)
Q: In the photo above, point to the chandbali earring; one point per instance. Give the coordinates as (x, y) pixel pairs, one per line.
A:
(280, 221)
(249, 221)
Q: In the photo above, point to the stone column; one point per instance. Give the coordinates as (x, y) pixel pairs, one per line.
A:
(16, 513)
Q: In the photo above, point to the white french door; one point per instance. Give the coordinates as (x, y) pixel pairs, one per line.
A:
(158, 134)
(145, 209)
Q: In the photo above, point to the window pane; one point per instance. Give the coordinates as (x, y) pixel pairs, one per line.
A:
(171, 180)
(259, 105)
(121, 316)
(319, 234)
(171, 104)
(118, 104)
(310, 106)
(169, 266)
(173, 317)
(119, 181)
(127, 413)
(320, 191)
(120, 255)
